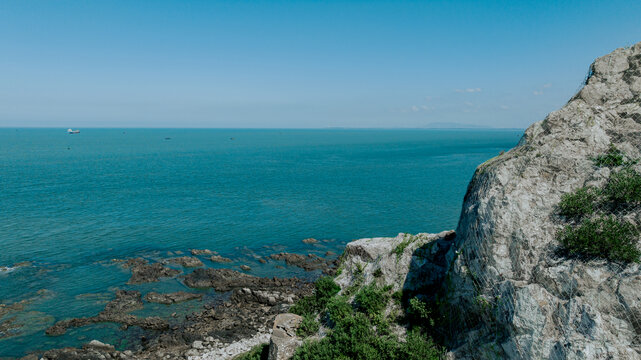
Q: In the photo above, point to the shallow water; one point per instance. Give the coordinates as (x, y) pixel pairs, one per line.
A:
(72, 203)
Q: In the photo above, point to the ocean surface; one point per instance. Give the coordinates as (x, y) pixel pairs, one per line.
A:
(69, 204)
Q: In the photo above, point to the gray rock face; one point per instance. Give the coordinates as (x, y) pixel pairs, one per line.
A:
(406, 262)
(284, 342)
(519, 299)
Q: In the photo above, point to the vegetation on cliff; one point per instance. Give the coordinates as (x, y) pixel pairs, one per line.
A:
(358, 327)
(598, 227)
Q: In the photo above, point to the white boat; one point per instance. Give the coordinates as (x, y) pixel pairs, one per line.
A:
(70, 131)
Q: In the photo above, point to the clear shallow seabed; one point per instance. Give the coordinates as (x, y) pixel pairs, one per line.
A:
(69, 204)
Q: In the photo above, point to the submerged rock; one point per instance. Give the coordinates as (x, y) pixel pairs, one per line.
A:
(171, 298)
(115, 311)
(202, 252)
(307, 262)
(186, 261)
(220, 259)
(143, 272)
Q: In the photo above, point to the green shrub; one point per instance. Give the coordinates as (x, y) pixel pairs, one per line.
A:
(371, 299)
(378, 273)
(604, 237)
(624, 187)
(419, 347)
(612, 158)
(355, 338)
(259, 352)
(325, 289)
(579, 203)
(338, 308)
(309, 326)
(418, 311)
(305, 306)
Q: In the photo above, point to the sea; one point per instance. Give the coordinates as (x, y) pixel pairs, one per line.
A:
(72, 203)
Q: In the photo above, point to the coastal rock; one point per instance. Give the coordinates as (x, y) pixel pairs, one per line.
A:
(202, 252)
(186, 261)
(171, 298)
(219, 259)
(143, 272)
(245, 267)
(219, 279)
(307, 262)
(95, 344)
(223, 280)
(405, 262)
(310, 241)
(115, 311)
(284, 341)
(513, 294)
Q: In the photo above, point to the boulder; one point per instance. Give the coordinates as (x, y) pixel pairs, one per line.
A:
(284, 342)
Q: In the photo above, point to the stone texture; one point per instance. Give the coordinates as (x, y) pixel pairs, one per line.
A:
(517, 297)
(284, 341)
(406, 262)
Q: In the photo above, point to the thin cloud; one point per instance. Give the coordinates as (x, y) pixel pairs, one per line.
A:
(468, 90)
(537, 93)
(504, 107)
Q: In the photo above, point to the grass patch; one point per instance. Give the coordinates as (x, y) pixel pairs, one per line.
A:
(579, 203)
(605, 237)
(400, 248)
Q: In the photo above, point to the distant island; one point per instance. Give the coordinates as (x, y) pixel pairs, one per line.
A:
(454, 125)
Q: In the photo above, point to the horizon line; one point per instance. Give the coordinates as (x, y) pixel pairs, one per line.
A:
(269, 128)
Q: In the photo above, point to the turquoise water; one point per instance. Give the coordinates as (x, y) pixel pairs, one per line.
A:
(71, 203)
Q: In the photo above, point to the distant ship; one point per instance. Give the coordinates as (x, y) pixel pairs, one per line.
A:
(70, 131)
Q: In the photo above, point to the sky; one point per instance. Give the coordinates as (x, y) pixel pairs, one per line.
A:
(299, 64)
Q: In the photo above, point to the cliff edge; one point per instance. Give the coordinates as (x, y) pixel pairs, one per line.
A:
(520, 297)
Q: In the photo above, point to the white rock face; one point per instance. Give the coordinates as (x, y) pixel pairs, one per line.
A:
(518, 299)
(388, 261)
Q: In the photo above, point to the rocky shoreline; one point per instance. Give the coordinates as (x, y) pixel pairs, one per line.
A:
(238, 316)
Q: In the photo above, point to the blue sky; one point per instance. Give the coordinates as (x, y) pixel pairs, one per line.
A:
(301, 64)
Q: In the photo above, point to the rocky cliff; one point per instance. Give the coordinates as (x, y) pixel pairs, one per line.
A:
(520, 298)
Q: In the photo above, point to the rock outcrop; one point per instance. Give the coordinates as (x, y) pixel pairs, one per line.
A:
(284, 342)
(510, 290)
(406, 262)
(143, 272)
